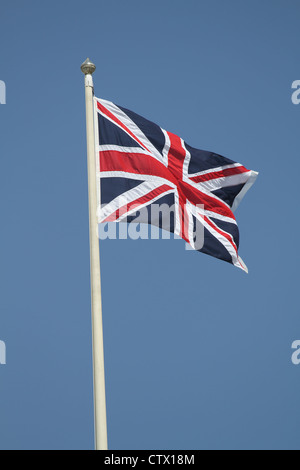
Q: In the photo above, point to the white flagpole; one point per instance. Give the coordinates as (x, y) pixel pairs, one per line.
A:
(88, 68)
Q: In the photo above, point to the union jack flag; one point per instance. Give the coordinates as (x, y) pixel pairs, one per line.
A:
(141, 164)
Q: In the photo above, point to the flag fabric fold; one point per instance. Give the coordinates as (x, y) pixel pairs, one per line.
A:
(139, 164)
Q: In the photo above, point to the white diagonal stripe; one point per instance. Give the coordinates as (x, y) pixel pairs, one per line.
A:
(222, 239)
(131, 126)
(166, 148)
(128, 197)
(224, 181)
(187, 159)
(215, 215)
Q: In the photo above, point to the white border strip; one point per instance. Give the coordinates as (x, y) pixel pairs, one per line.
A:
(97, 156)
(240, 196)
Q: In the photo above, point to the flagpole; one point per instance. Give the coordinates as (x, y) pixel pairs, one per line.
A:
(88, 68)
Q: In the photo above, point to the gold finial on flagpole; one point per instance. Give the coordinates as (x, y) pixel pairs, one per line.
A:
(88, 68)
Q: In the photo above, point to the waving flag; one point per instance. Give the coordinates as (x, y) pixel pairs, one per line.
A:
(141, 164)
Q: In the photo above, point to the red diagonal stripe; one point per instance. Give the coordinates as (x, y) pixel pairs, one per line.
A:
(198, 197)
(219, 174)
(224, 234)
(107, 113)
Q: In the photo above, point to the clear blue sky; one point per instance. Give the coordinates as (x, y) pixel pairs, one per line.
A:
(198, 354)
